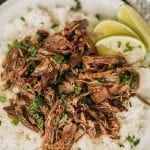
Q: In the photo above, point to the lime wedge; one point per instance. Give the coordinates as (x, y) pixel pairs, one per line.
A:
(105, 51)
(131, 18)
(110, 27)
(132, 48)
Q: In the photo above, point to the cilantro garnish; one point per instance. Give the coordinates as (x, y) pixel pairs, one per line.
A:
(59, 58)
(97, 16)
(34, 110)
(54, 25)
(77, 7)
(0, 122)
(33, 52)
(25, 46)
(127, 78)
(16, 121)
(23, 19)
(133, 140)
(119, 44)
(63, 118)
(77, 90)
(3, 99)
(128, 47)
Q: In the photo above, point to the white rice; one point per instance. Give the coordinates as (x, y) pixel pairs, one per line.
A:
(19, 137)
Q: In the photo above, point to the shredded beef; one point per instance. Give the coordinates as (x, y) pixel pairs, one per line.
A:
(65, 89)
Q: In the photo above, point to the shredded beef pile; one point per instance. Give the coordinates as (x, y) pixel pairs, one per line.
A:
(65, 89)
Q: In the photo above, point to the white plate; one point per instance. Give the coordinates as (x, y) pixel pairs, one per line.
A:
(106, 9)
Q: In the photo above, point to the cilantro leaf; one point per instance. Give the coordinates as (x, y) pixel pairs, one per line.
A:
(132, 140)
(119, 44)
(38, 101)
(3, 99)
(36, 115)
(54, 25)
(33, 52)
(128, 47)
(55, 122)
(25, 46)
(63, 118)
(97, 16)
(77, 7)
(34, 110)
(127, 78)
(77, 90)
(0, 122)
(59, 58)
(16, 121)
(23, 19)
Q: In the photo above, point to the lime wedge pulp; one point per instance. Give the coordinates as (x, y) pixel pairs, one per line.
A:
(132, 48)
(131, 18)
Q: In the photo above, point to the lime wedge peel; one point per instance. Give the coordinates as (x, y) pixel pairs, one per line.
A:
(132, 48)
(131, 18)
(107, 28)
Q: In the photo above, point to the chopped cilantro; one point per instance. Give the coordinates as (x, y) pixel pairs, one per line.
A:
(38, 101)
(36, 115)
(0, 122)
(55, 122)
(133, 140)
(130, 104)
(139, 46)
(97, 16)
(40, 122)
(31, 68)
(23, 19)
(136, 142)
(119, 64)
(15, 121)
(39, 118)
(77, 90)
(3, 99)
(120, 145)
(119, 44)
(9, 47)
(77, 7)
(23, 45)
(63, 118)
(34, 110)
(54, 25)
(127, 78)
(128, 47)
(33, 52)
(59, 58)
